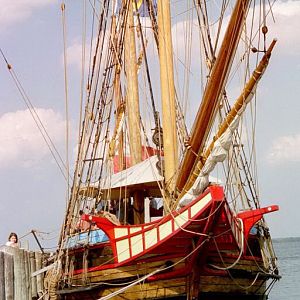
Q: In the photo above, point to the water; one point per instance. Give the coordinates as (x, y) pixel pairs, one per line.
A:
(288, 253)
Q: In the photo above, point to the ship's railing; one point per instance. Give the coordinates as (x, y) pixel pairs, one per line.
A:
(91, 237)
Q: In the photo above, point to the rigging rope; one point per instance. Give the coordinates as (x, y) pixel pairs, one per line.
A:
(46, 137)
(83, 56)
(66, 98)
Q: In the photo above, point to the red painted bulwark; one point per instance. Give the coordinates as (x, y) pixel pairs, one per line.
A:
(214, 218)
(251, 217)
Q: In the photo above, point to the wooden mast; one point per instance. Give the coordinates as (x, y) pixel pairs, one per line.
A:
(119, 110)
(213, 91)
(117, 93)
(132, 107)
(167, 95)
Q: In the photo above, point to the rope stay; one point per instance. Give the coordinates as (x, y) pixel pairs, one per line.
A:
(98, 136)
(41, 127)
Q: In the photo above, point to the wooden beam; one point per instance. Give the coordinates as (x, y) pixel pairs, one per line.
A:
(167, 95)
(242, 101)
(132, 107)
(213, 91)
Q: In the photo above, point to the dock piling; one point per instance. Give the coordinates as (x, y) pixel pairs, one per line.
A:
(16, 268)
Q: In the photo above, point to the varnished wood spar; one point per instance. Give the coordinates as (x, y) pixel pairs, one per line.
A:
(167, 93)
(117, 93)
(132, 107)
(213, 91)
(242, 100)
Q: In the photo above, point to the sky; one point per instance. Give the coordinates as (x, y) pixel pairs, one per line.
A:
(33, 190)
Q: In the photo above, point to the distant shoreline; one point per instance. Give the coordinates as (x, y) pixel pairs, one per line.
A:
(286, 239)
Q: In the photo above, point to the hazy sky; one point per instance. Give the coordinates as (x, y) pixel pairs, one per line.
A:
(33, 191)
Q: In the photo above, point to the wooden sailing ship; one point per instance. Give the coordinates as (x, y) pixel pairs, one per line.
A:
(209, 240)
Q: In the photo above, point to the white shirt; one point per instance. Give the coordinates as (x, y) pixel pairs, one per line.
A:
(12, 244)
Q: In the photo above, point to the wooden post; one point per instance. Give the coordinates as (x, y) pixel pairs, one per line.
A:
(167, 94)
(9, 264)
(2, 281)
(33, 279)
(9, 276)
(18, 270)
(28, 274)
(39, 278)
(22, 274)
(16, 267)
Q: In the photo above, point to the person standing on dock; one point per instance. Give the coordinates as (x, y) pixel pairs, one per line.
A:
(12, 240)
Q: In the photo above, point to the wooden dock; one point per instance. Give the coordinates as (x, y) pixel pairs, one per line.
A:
(16, 268)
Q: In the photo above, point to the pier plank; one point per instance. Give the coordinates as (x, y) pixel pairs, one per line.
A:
(16, 267)
(33, 278)
(9, 276)
(2, 281)
(39, 277)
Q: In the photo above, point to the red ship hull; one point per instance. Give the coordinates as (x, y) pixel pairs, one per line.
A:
(202, 249)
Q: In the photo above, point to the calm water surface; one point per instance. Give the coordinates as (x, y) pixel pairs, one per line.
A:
(288, 253)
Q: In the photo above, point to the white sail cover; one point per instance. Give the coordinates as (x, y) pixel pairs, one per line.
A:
(142, 176)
